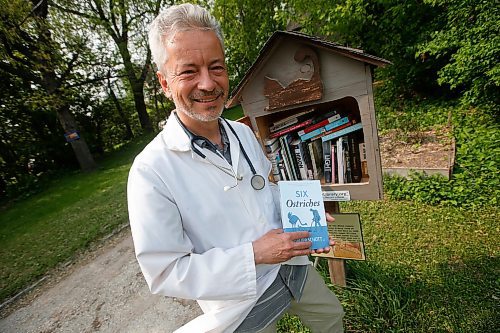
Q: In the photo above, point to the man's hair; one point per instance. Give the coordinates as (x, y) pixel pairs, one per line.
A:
(175, 19)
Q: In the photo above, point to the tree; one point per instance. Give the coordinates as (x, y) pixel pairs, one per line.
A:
(30, 53)
(469, 38)
(124, 22)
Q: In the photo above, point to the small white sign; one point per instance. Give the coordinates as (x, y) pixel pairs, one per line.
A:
(336, 196)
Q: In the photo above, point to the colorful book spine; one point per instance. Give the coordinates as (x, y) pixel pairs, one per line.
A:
(342, 132)
(302, 209)
(291, 129)
(319, 124)
(364, 162)
(320, 131)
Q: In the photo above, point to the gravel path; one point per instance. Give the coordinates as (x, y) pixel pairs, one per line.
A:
(105, 292)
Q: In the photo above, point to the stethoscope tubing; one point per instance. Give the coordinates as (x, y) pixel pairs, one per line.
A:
(257, 181)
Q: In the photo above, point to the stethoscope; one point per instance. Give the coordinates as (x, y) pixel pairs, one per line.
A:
(257, 181)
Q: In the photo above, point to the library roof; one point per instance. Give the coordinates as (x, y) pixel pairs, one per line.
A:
(356, 54)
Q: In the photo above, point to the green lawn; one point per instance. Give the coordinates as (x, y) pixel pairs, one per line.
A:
(49, 228)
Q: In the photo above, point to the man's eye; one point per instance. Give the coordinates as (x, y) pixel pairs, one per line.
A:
(187, 72)
(218, 69)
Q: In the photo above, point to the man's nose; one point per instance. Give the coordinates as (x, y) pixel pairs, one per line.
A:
(206, 82)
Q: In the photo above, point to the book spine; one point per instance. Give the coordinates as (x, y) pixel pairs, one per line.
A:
(299, 155)
(283, 124)
(335, 177)
(362, 158)
(291, 158)
(290, 129)
(340, 161)
(347, 160)
(337, 123)
(313, 133)
(285, 158)
(274, 165)
(327, 161)
(355, 161)
(270, 145)
(319, 124)
(342, 132)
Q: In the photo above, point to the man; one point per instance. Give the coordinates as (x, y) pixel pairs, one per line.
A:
(204, 217)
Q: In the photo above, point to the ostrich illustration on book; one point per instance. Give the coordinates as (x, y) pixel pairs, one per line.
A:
(293, 219)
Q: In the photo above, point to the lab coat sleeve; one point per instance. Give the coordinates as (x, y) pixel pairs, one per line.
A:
(165, 252)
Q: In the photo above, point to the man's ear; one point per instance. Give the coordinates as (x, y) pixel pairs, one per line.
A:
(164, 85)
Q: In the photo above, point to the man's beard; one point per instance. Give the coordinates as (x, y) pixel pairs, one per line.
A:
(213, 113)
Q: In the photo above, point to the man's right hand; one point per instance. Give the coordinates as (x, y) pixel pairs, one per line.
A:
(277, 246)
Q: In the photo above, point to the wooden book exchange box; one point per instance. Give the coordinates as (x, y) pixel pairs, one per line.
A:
(310, 104)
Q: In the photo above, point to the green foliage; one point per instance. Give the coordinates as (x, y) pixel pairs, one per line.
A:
(476, 176)
(469, 36)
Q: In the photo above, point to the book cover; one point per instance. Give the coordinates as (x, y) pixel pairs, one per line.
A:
(302, 209)
(348, 236)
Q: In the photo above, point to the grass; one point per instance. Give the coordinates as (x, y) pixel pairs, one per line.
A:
(38, 233)
(429, 269)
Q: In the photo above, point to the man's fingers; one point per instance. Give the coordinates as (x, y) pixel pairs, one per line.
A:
(298, 234)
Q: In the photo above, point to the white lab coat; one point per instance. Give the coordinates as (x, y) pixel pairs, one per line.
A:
(192, 239)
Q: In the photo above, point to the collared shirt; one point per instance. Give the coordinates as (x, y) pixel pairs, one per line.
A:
(225, 143)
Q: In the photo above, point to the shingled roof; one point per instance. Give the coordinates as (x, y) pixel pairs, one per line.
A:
(306, 39)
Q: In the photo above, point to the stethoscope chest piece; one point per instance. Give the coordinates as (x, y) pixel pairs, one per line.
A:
(258, 182)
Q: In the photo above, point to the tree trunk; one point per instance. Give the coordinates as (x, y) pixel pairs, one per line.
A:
(137, 89)
(128, 134)
(80, 147)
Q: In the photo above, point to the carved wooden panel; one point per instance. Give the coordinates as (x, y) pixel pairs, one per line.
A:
(300, 90)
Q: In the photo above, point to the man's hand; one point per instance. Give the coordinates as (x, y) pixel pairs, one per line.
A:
(329, 219)
(277, 246)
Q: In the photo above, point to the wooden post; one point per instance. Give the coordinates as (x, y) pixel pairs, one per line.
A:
(336, 267)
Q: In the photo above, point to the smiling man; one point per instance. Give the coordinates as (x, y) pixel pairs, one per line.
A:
(203, 214)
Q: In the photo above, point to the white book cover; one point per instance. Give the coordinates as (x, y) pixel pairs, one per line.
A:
(302, 209)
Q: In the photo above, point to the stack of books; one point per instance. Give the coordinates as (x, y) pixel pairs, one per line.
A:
(326, 145)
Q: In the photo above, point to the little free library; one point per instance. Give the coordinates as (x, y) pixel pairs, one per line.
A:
(310, 104)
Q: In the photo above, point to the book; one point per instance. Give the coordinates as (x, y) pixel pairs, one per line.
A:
(302, 209)
(327, 161)
(340, 161)
(273, 157)
(355, 159)
(271, 144)
(296, 147)
(316, 154)
(342, 132)
(291, 129)
(364, 163)
(324, 129)
(288, 121)
(348, 235)
(319, 124)
(338, 128)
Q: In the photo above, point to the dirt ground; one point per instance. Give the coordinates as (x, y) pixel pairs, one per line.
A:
(104, 291)
(418, 150)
